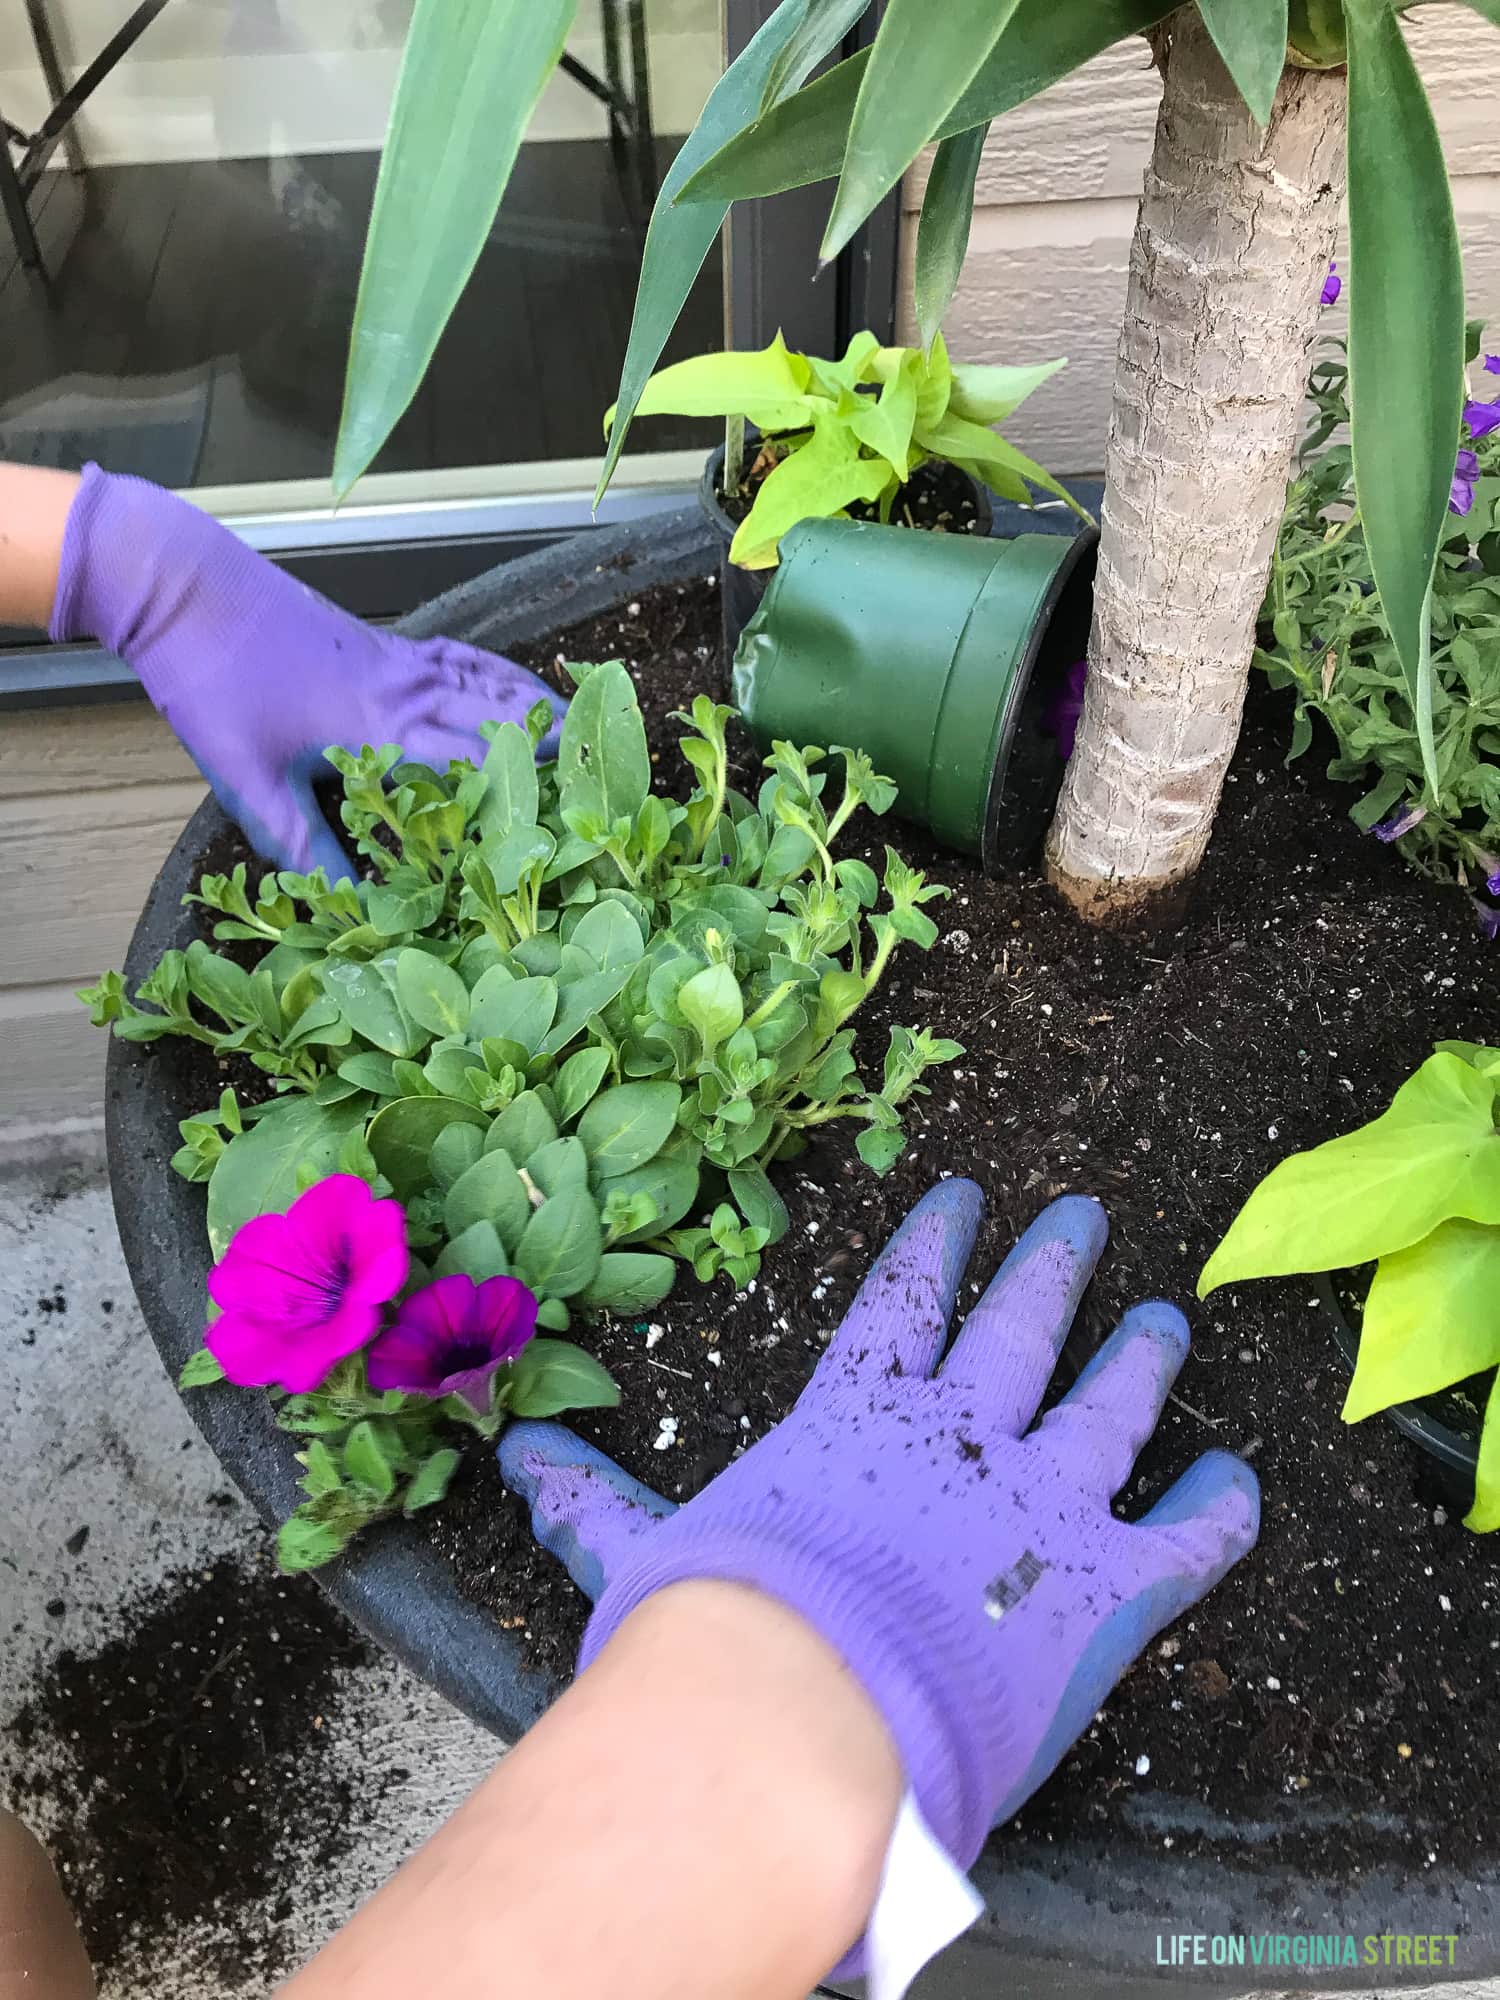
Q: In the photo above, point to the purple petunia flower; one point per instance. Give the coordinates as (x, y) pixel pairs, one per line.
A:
(1482, 418)
(1489, 919)
(1060, 718)
(1333, 284)
(300, 1291)
(1492, 364)
(1399, 823)
(1461, 496)
(449, 1338)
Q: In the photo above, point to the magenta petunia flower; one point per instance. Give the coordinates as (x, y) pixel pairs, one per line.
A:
(449, 1338)
(300, 1291)
(1461, 498)
(1482, 418)
(1333, 284)
(1060, 718)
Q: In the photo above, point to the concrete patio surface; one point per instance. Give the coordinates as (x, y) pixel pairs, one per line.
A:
(120, 1547)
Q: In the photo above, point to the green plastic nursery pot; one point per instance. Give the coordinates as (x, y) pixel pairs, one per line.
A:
(917, 649)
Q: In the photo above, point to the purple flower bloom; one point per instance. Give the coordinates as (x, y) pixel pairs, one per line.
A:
(1493, 884)
(449, 1338)
(1482, 418)
(1461, 497)
(1489, 919)
(300, 1291)
(1333, 284)
(1060, 718)
(1399, 823)
(1492, 364)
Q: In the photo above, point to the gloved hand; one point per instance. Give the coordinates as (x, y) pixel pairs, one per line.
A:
(258, 674)
(966, 1567)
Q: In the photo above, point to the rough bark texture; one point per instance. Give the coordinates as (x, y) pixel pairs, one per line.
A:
(1235, 232)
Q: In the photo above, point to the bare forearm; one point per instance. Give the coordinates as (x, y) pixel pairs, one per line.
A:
(34, 504)
(706, 1810)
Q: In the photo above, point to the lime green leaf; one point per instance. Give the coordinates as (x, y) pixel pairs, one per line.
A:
(923, 60)
(943, 232)
(1406, 334)
(820, 479)
(470, 78)
(991, 458)
(768, 385)
(1433, 1156)
(803, 138)
(1430, 1318)
(790, 45)
(1251, 37)
(1484, 1516)
(989, 392)
(624, 1128)
(884, 423)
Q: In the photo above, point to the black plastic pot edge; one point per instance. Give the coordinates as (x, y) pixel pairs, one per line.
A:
(1062, 1919)
(1454, 1457)
(743, 589)
(395, 1586)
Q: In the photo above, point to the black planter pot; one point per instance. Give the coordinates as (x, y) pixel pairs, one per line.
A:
(741, 590)
(1064, 1918)
(1453, 1456)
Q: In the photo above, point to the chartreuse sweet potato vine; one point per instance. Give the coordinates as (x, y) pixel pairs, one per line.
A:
(1417, 1189)
(567, 1022)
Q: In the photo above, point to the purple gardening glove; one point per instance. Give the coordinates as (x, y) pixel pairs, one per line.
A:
(967, 1567)
(256, 673)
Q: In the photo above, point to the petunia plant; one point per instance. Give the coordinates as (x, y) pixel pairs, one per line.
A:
(1417, 1193)
(371, 1367)
(566, 1022)
(1325, 635)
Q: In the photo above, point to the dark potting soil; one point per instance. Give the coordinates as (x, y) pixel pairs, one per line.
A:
(937, 496)
(183, 1754)
(1350, 1664)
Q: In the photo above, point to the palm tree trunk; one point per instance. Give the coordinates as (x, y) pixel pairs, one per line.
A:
(1236, 228)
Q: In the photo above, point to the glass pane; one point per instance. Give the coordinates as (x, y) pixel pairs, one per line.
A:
(190, 318)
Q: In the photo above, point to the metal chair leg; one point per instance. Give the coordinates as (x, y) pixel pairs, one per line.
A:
(52, 70)
(17, 214)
